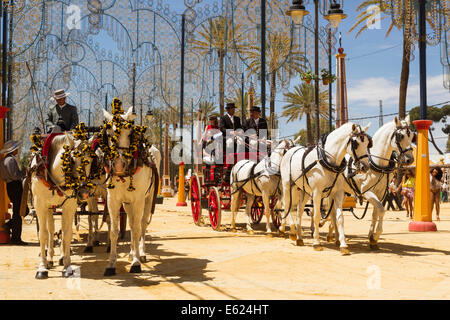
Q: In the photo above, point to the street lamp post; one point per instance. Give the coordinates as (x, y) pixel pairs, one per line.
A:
(334, 15)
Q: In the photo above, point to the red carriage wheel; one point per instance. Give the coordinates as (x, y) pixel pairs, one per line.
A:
(196, 197)
(225, 198)
(214, 208)
(257, 210)
(276, 215)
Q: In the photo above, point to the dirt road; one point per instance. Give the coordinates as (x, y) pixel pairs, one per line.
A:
(190, 262)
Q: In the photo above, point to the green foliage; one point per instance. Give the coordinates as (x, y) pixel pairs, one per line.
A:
(433, 113)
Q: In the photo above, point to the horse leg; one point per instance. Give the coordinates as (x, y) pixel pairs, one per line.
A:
(114, 213)
(338, 200)
(293, 217)
(42, 214)
(266, 201)
(135, 226)
(50, 242)
(89, 245)
(235, 202)
(316, 216)
(377, 219)
(332, 228)
(248, 207)
(300, 207)
(66, 220)
(146, 219)
(286, 205)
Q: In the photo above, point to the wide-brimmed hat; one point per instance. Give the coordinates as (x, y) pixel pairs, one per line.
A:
(59, 94)
(10, 146)
(257, 109)
(230, 105)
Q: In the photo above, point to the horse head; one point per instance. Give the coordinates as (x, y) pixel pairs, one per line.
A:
(77, 160)
(401, 140)
(358, 145)
(117, 139)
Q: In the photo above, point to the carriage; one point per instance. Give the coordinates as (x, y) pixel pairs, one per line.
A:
(210, 189)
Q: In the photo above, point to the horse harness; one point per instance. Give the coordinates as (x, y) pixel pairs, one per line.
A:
(322, 160)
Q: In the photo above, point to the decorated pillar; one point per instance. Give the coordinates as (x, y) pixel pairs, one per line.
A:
(341, 89)
(181, 195)
(4, 200)
(166, 187)
(422, 202)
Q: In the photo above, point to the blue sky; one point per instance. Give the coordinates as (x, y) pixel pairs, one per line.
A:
(374, 76)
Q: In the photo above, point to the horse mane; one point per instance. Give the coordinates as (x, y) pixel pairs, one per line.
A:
(382, 129)
(56, 145)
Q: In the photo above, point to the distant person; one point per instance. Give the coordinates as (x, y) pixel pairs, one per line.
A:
(62, 111)
(445, 190)
(408, 193)
(12, 174)
(390, 197)
(435, 189)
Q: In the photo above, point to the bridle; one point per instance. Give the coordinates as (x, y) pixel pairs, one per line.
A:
(354, 144)
(398, 136)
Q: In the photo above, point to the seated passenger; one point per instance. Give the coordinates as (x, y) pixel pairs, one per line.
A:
(212, 140)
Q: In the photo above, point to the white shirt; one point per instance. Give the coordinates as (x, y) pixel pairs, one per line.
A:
(231, 118)
(256, 121)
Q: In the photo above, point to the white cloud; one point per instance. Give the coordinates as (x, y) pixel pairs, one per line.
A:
(369, 91)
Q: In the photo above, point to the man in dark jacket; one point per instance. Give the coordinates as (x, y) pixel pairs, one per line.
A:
(259, 125)
(61, 110)
(231, 123)
(12, 174)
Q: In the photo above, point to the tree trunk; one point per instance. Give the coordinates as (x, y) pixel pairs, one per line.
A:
(309, 137)
(404, 77)
(221, 83)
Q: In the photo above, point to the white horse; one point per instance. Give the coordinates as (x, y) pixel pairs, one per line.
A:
(138, 203)
(395, 135)
(45, 198)
(100, 191)
(257, 179)
(316, 172)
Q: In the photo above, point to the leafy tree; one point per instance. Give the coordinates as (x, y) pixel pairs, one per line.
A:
(301, 103)
(218, 36)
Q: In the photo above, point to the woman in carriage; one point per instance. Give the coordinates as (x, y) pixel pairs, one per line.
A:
(212, 144)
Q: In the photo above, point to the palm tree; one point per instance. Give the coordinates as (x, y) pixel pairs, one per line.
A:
(301, 102)
(207, 108)
(220, 36)
(402, 19)
(237, 100)
(278, 54)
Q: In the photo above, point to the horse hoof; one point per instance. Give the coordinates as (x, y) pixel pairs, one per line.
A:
(337, 243)
(250, 232)
(88, 249)
(281, 234)
(299, 242)
(345, 252)
(110, 272)
(41, 275)
(293, 237)
(233, 230)
(373, 246)
(67, 273)
(318, 248)
(136, 269)
(330, 239)
(96, 243)
(108, 249)
(61, 261)
(49, 264)
(143, 259)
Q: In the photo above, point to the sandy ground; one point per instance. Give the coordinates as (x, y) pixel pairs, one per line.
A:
(190, 262)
